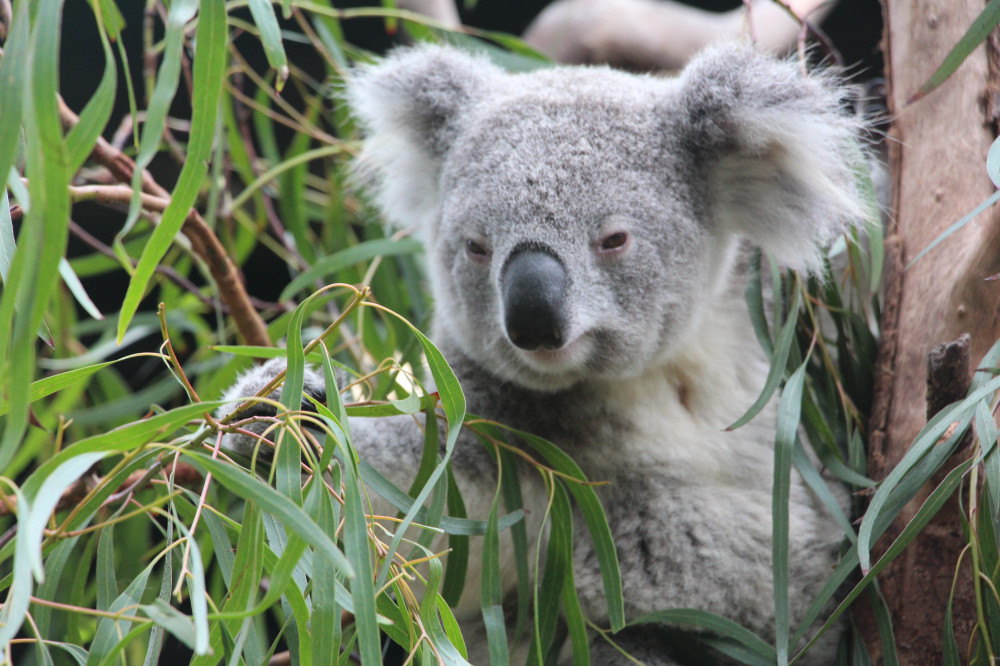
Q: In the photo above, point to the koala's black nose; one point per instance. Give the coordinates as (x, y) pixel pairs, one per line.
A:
(533, 286)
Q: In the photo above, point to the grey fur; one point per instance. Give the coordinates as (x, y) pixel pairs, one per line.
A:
(658, 356)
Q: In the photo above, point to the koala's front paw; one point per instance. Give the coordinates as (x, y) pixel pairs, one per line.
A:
(249, 419)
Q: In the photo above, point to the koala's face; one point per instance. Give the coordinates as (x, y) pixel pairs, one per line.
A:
(562, 253)
(580, 221)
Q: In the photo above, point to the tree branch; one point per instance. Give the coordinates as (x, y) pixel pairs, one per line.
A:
(632, 33)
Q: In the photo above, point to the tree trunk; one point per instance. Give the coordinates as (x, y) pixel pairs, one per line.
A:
(938, 152)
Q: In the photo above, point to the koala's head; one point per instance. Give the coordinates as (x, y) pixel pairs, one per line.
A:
(579, 221)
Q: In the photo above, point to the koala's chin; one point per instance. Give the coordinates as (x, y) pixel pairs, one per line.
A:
(550, 370)
(595, 356)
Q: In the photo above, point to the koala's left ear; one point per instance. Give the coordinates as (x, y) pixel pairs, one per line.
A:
(410, 106)
(777, 150)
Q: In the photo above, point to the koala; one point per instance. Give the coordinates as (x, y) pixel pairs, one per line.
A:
(587, 234)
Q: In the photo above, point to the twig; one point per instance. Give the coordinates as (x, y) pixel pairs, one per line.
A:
(161, 314)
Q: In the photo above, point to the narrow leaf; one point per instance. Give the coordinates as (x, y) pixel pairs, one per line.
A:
(210, 60)
(973, 37)
(789, 409)
(782, 347)
(993, 198)
(270, 37)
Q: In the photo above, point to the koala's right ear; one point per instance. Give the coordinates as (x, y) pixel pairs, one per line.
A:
(778, 154)
(410, 106)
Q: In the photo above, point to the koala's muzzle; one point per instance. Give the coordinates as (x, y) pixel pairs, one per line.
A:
(533, 286)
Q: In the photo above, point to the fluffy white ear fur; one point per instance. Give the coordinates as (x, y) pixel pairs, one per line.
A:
(410, 106)
(777, 149)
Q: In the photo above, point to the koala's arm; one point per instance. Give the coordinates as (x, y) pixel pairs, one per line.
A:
(391, 445)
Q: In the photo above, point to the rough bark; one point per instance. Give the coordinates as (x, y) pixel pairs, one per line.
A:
(937, 159)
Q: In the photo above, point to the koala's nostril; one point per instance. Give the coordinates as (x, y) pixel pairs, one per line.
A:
(533, 287)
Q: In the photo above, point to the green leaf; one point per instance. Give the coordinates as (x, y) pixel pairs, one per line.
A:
(789, 409)
(594, 516)
(938, 497)
(356, 254)
(107, 641)
(55, 566)
(95, 115)
(453, 404)
(248, 563)
(49, 385)
(279, 506)
(375, 481)
(35, 271)
(717, 624)
(429, 604)
(107, 587)
(324, 625)
(452, 630)
(883, 622)
(181, 11)
(156, 636)
(987, 432)
(210, 58)
(76, 287)
(928, 438)
(491, 590)
(779, 359)
(818, 485)
(359, 555)
(510, 485)
(754, 296)
(270, 37)
(949, 647)
(34, 507)
(558, 563)
(172, 620)
(13, 72)
(575, 622)
(993, 198)
(458, 558)
(288, 459)
(973, 37)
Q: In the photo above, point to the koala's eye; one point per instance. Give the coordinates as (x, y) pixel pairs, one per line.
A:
(615, 242)
(476, 250)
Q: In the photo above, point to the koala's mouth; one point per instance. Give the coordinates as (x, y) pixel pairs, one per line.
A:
(569, 357)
